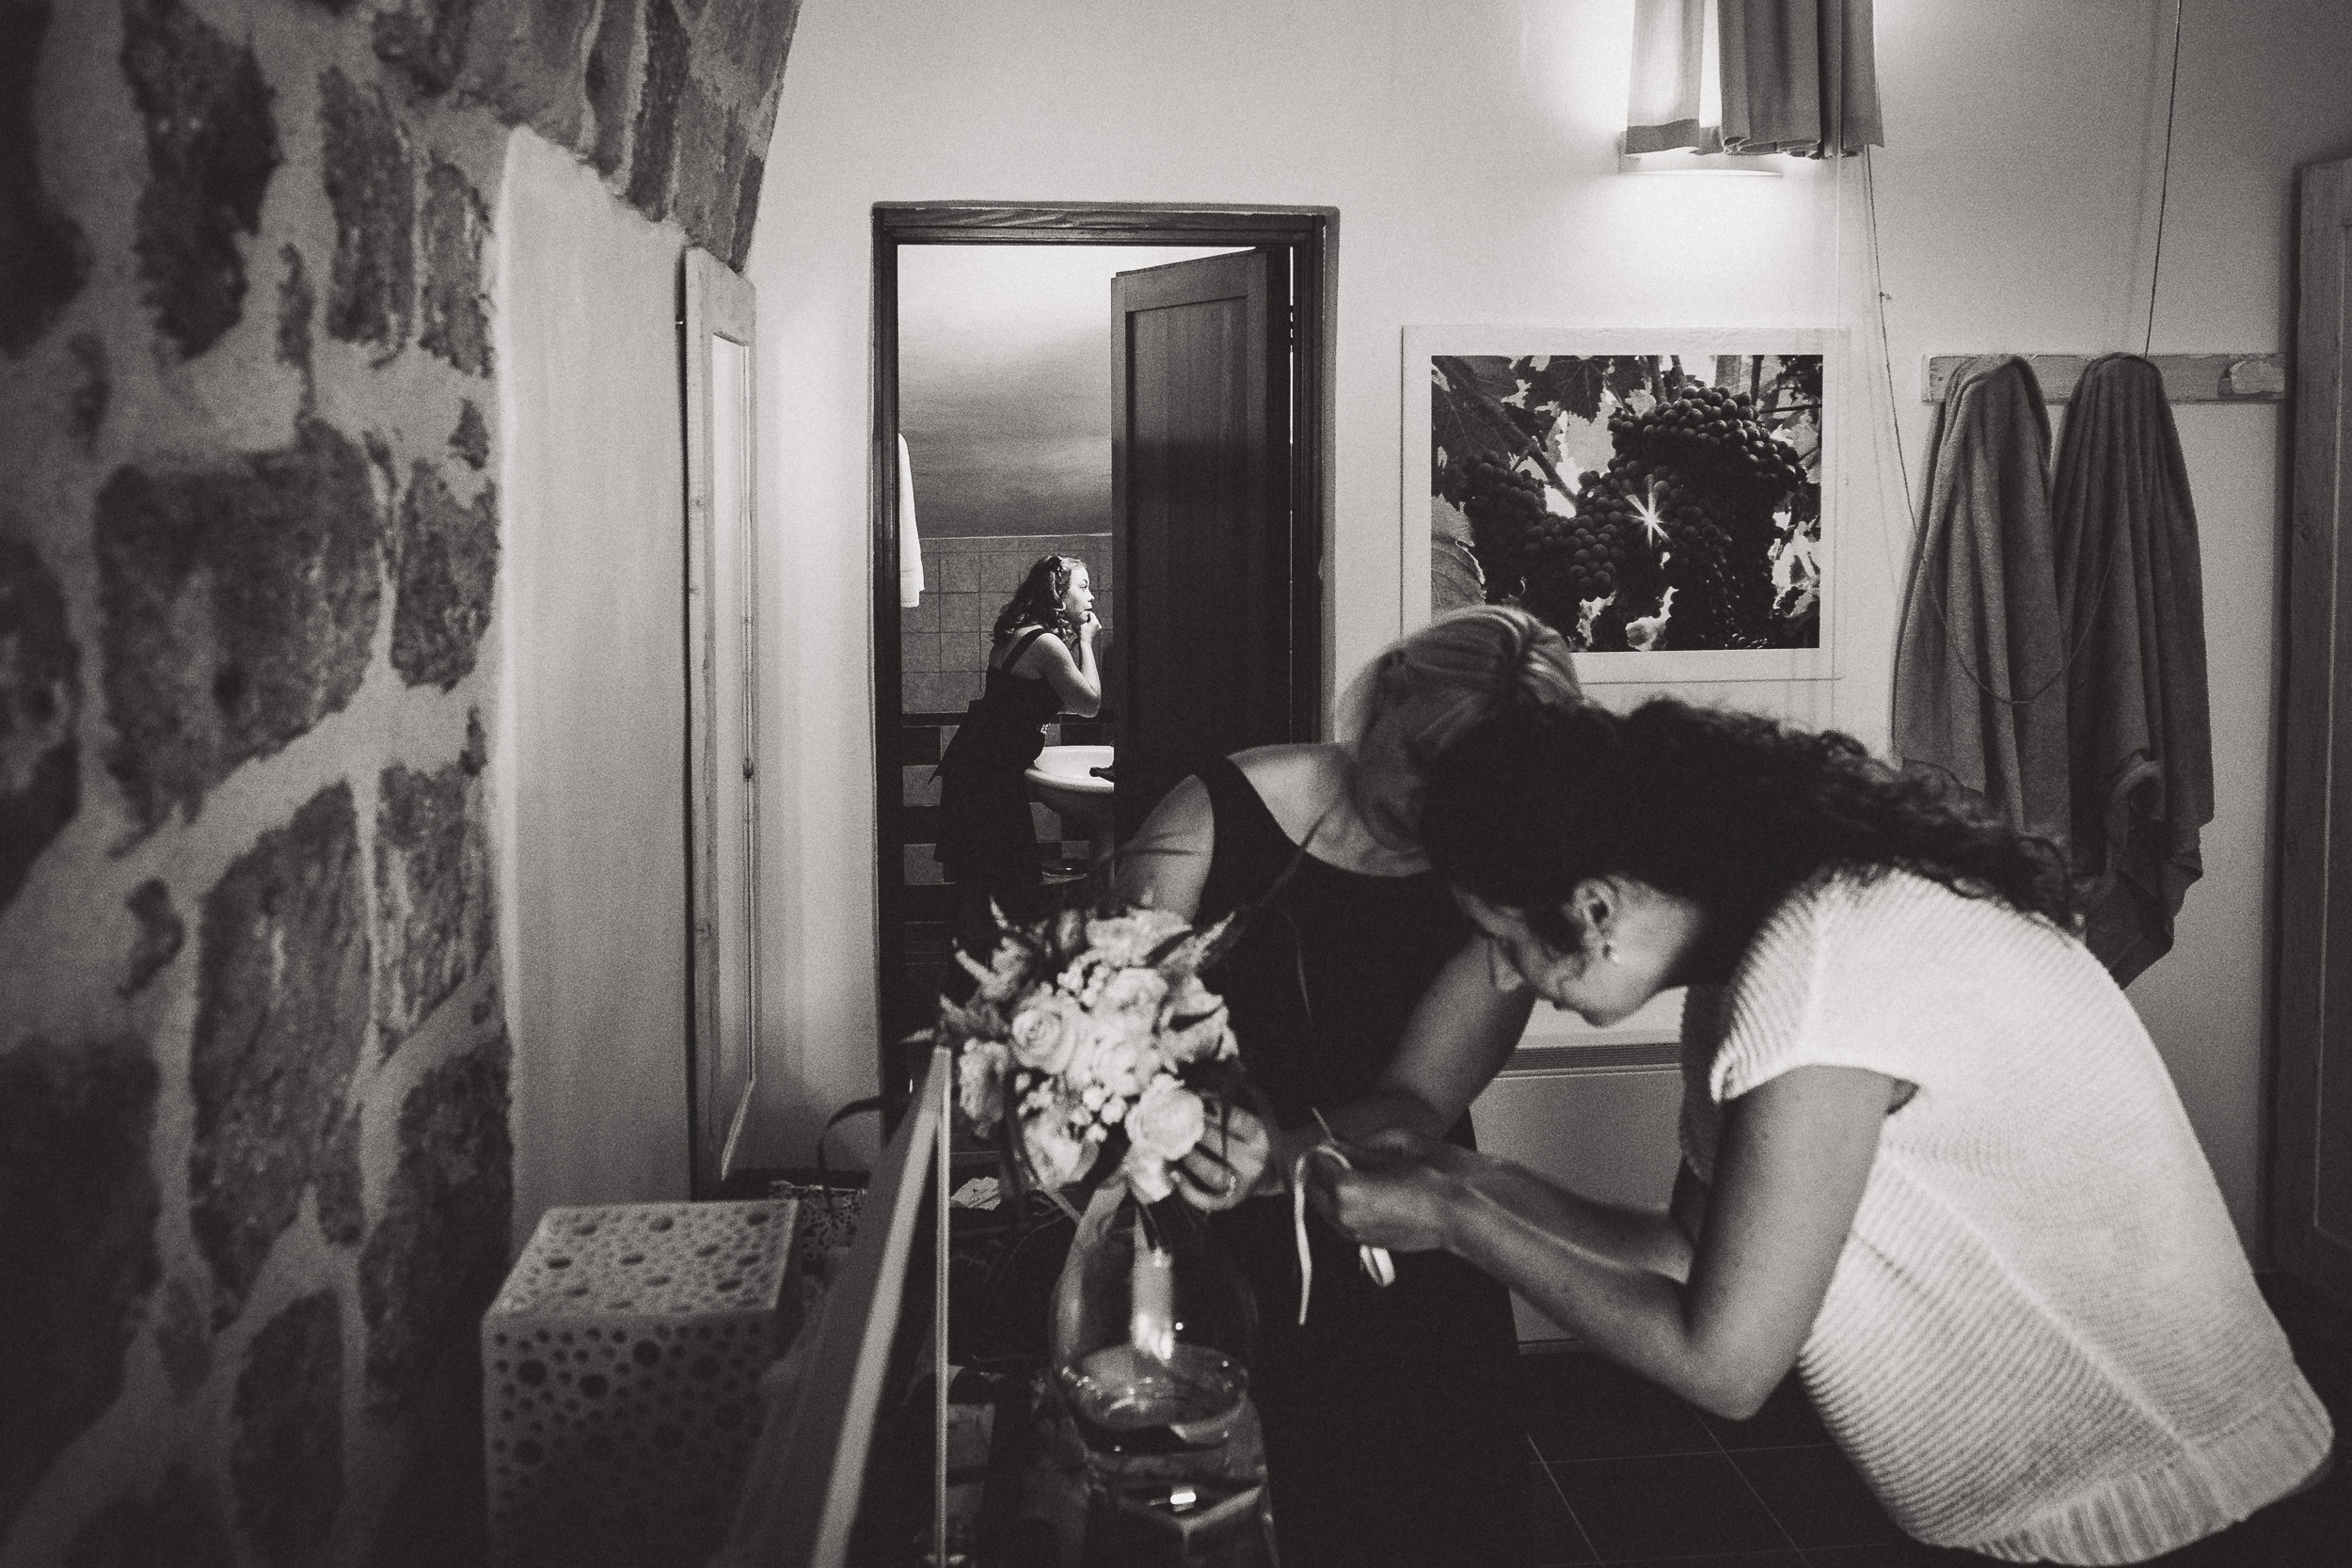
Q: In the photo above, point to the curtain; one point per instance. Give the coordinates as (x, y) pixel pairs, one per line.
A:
(1796, 75)
(1669, 54)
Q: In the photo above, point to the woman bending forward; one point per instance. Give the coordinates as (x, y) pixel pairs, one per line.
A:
(1932, 1157)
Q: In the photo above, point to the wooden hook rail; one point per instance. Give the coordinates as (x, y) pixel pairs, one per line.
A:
(2187, 377)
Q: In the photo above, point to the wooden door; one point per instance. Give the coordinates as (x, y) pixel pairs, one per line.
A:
(2311, 1175)
(1202, 518)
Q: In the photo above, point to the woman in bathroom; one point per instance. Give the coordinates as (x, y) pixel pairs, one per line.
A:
(1360, 993)
(1041, 663)
(1932, 1158)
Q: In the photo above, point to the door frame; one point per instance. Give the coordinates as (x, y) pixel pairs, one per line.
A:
(2309, 995)
(1312, 236)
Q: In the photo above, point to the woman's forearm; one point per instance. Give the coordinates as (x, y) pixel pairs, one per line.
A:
(1626, 1237)
(1613, 1276)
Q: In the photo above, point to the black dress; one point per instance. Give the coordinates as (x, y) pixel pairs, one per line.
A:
(987, 839)
(1393, 1430)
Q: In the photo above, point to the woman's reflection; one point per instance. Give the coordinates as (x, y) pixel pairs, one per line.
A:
(987, 843)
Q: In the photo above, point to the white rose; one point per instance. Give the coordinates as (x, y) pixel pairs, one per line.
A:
(1125, 940)
(1046, 1031)
(1135, 992)
(980, 1082)
(1057, 1157)
(1122, 1058)
(1168, 1120)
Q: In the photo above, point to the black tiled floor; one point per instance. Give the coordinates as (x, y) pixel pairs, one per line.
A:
(1816, 1497)
(1786, 1421)
(1554, 1538)
(1668, 1505)
(1638, 1475)
(1582, 1407)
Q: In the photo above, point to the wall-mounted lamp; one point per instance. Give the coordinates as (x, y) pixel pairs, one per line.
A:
(1757, 76)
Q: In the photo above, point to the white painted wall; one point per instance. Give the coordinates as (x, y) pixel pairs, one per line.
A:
(588, 761)
(1469, 147)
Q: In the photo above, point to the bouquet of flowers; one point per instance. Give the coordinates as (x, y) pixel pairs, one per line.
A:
(1092, 1045)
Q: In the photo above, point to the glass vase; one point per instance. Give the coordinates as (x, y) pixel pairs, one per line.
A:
(1151, 1333)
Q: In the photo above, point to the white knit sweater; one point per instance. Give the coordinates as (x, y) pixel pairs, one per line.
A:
(2042, 1339)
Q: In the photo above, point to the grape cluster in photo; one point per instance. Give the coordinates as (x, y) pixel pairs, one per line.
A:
(1693, 513)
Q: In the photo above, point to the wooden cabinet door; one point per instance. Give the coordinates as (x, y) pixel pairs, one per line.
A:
(2311, 1175)
(1202, 518)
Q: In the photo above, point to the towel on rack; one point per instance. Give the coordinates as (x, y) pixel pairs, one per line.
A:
(910, 541)
(2131, 590)
(1980, 689)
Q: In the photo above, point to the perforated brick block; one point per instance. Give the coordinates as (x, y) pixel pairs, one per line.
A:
(620, 1372)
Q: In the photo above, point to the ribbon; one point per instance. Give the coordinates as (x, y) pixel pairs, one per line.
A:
(1374, 1260)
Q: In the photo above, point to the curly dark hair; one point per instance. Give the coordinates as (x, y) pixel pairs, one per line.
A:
(1038, 601)
(1732, 811)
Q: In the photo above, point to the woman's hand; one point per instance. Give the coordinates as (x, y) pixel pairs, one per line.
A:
(1389, 1200)
(1224, 1166)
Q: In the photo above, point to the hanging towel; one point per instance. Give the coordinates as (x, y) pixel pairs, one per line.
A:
(910, 541)
(1980, 690)
(2131, 590)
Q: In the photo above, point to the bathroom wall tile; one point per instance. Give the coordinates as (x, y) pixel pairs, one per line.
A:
(923, 616)
(919, 866)
(959, 613)
(982, 646)
(926, 693)
(959, 573)
(920, 652)
(1045, 823)
(960, 687)
(960, 652)
(1001, 573)
(916, 787)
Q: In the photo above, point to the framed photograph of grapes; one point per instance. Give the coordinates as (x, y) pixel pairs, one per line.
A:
(1662, 496)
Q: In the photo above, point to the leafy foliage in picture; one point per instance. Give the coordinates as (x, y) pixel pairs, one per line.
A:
(1637, 502)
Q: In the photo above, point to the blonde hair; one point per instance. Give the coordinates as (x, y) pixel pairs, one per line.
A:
(1463, 667)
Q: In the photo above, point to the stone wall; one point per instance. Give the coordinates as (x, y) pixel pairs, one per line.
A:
(256, 1166)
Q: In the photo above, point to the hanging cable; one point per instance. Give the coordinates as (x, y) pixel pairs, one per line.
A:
(2164, 181)
(1878, 290)
(1935, 602)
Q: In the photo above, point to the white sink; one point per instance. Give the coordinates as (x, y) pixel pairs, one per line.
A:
(1068, 769)
(1062, 780)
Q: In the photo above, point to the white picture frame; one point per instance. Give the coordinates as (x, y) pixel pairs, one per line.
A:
(1697, 353)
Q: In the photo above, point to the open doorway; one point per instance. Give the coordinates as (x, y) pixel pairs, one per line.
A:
(1119, 414)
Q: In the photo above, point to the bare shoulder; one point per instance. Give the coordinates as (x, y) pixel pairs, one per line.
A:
(1166, 863)
(1044, 655)
(1296, 781)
